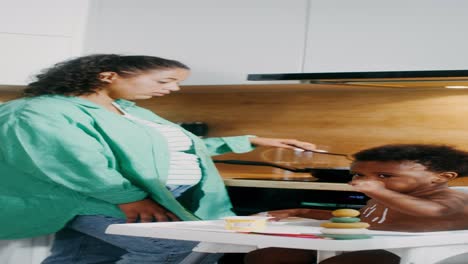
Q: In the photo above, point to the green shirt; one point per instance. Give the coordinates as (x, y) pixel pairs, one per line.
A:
(65, 156)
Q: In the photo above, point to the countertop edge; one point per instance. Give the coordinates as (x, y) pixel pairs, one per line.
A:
(288, 184)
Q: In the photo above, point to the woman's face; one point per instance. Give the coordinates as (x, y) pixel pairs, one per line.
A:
(143, 85)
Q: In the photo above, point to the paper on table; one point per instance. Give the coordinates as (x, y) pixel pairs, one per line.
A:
(286, 226)
(292, 226)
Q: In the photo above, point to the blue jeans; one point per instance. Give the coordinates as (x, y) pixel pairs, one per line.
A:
(83, 241)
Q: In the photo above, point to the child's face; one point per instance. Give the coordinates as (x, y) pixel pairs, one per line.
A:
(403, 177)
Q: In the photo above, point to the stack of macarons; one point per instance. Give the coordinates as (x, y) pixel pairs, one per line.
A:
(345, 225)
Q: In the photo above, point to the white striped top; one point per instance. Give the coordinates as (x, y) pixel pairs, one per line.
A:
(184, 167)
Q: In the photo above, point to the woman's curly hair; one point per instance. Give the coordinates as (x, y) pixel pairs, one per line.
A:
(81, 75)
(436, 158)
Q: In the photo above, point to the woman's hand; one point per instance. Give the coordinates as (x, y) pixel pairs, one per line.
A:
(146, 210)
(281, 143)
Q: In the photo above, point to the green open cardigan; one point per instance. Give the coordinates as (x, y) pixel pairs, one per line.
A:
(64, 156)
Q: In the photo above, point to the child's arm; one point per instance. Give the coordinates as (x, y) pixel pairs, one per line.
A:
(438, 206)
(301, 212)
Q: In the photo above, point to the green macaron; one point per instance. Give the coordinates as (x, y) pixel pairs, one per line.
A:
(345, 219)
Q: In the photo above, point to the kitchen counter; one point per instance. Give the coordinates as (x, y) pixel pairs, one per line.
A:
(288, 184)
(265, 177)
(256, 189)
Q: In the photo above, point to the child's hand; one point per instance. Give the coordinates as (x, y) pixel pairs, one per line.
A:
(318, 214)
(366, 186)
(281, 214)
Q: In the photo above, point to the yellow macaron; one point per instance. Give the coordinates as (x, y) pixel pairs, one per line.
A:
(345, 213)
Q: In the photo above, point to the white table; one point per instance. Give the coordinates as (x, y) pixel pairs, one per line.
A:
(419, 248)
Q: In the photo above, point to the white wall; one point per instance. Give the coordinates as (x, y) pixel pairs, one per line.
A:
(221, 40)
(370, 35)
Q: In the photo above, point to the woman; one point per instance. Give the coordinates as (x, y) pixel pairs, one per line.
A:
(78, 157)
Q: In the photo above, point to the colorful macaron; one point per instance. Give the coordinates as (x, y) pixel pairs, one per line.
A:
(345, 225)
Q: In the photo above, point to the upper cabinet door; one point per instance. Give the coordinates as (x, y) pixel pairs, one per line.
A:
(222, 41)
(397, 35)
(37, 34)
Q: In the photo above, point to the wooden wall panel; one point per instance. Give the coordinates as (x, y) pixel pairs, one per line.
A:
(346, 119)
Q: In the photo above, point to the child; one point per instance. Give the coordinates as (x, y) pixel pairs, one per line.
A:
(408, 188)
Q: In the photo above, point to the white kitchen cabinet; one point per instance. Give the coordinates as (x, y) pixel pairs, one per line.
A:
(222, 41)
(398, 35)
(36, 34)
(44, 17)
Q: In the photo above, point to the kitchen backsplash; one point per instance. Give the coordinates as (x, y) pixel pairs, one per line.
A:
(343, 119)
